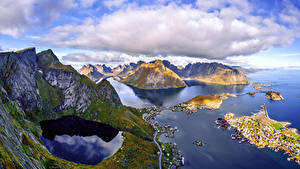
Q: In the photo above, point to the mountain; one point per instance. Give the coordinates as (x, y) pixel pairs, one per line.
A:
(91, 72)
(153, 76)
(98, 72)
(36, 87)
(128, 68)
(215, 73)
(104, 69)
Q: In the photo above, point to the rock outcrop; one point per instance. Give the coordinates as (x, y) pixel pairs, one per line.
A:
(153, 76)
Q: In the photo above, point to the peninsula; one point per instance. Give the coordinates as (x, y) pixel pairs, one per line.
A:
(262, 131)
(211, 102)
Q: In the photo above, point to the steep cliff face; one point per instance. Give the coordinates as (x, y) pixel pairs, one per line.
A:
(216, 73)
(109, 93)
(77, 91)
(153, 76)
(17, 71)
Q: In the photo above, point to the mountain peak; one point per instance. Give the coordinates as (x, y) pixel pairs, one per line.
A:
(154, 76)
(158, 62)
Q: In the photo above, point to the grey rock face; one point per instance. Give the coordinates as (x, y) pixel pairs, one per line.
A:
(76, 93)
(17, 71)
(109, 93)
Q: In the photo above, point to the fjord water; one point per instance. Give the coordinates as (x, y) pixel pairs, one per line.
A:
(221, 152)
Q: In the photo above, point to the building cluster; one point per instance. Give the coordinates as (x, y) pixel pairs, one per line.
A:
(262, 132)
(172, 156)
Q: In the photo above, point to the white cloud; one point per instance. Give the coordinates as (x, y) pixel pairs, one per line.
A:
(18, 16)
(291, 16)
(261, 61)
(113, 3)
(176, 30)
(114, 59)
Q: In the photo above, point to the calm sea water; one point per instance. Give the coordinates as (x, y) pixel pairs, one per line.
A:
(221, 152)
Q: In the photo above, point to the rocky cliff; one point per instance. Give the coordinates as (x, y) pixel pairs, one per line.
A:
(38, 87)
(153, 76)
(17, 71)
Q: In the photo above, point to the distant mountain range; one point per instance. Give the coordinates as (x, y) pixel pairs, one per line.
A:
(145, 75)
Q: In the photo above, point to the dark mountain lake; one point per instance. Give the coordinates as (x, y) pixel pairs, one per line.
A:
(221, 152)
(81, 141)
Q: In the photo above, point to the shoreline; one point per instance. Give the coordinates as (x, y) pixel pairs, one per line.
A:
(168, 151)
(262, 132)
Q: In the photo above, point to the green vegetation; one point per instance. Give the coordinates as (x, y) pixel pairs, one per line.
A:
(277, 126)
(295, 137)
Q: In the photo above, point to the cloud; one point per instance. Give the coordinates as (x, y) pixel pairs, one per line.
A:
(178, 30)
(103, 57)
(113, 3)
(114, 59)
(21, 15)
(87, 3)
(270, 61)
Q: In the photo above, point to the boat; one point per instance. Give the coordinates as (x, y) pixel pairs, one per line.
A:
(222, 122)
(199, 143)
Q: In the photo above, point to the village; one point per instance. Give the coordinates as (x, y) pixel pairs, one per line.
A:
(262, 131)
(171, 156)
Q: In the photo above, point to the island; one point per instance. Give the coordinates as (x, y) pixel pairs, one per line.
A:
(262, 131)
(252, 93)
(258, 86)
(273, 95)
(211, 102)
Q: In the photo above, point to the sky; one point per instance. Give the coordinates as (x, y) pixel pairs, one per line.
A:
(248, 33)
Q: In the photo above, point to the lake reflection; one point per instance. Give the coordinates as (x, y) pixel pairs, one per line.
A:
(89, 150)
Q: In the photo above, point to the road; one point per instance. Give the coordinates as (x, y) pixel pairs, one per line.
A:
(160, 155)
